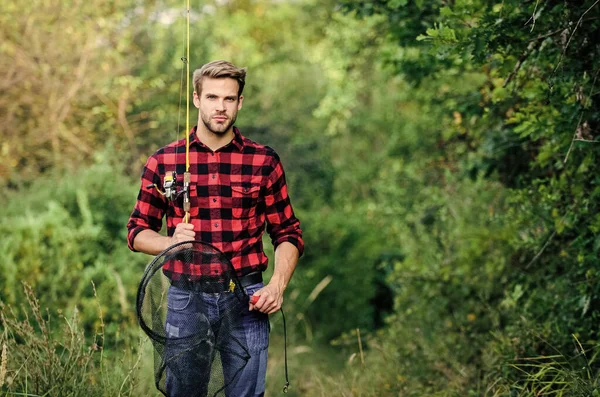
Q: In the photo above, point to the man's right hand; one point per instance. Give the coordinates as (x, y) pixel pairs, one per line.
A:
(152, 243)
(183, 232)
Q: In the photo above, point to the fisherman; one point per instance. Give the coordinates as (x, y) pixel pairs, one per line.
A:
(236, 188)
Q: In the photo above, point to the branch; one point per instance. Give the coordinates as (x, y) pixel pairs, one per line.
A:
(77, 142)
(581, 118)
(562, 54)
(532, 45)
(579, 24)
(549, 34)
(574, 139)
(122, 117)
(536, 257)
(534, 16)
(522, 59)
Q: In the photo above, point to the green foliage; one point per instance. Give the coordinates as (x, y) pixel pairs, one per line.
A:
(333, 288)
(41, 358)
(498, 228)
(63, 234)
(441, 156)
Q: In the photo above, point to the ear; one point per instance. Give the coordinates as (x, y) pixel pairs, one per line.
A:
(240, 100)
(196, 100)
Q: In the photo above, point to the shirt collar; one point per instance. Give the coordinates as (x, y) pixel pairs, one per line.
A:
(237, 141)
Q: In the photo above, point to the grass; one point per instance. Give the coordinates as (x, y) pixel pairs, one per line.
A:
(44, 358)
(558, 375)
(326, 370)
(44, 355)
(40, 358)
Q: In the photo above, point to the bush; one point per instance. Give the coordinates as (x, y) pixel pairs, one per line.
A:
(61, 236)
(43, 358)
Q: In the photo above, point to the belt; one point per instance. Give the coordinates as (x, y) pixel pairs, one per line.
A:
(217, 286)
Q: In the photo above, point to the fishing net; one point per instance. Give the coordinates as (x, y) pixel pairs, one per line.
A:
(200, 346)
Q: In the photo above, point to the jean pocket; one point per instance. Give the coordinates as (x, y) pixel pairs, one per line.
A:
(257, 328)
(179, 299)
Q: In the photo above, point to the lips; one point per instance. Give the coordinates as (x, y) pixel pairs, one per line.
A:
(220, 118)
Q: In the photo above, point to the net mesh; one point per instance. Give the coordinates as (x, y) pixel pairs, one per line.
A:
(192, 313)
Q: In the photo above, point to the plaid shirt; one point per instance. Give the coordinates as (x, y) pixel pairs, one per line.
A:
(234, 191)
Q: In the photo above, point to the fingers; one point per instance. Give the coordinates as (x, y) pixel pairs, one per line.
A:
(254, 299)
(184, 226)
(267, 302)
(183, 232)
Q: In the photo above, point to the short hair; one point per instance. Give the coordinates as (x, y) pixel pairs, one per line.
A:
(219, 70)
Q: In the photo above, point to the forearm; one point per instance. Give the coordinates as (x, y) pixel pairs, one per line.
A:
(150, 242)
(286, 257)
(271, 296)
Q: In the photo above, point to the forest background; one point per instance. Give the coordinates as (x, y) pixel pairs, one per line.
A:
(441, 155)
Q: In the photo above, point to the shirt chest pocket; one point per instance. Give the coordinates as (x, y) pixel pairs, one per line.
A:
(244, 200)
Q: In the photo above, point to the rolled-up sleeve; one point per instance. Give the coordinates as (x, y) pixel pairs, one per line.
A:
(282, 224)
(150, 206)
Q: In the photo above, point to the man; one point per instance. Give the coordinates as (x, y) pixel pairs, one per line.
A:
(237, 188)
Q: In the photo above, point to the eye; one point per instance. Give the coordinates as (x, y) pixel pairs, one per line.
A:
(211, 96)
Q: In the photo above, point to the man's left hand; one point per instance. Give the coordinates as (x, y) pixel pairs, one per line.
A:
(270, 299)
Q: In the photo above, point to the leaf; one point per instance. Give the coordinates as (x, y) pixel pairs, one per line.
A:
(446, 12)
(397, 3)
(585, 303)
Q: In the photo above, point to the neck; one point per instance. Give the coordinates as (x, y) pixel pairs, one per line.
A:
(210, 139)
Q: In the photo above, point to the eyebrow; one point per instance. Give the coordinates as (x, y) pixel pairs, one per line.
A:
(226, 97)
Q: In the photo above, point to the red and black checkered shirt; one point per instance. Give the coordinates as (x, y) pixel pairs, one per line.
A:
(234, 192)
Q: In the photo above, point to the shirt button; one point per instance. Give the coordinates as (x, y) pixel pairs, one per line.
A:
(216, 225)
(214, 200)
(214, 176)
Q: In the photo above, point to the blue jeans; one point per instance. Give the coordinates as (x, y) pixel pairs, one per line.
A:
(192, 313)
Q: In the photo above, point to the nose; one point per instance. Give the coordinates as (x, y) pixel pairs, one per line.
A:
(221, 105)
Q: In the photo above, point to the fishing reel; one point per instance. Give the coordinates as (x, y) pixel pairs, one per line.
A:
(171, 192)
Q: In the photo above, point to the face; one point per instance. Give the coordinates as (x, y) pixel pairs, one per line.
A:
(218, 104)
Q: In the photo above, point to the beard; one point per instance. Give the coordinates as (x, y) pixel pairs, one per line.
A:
(216, 127)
